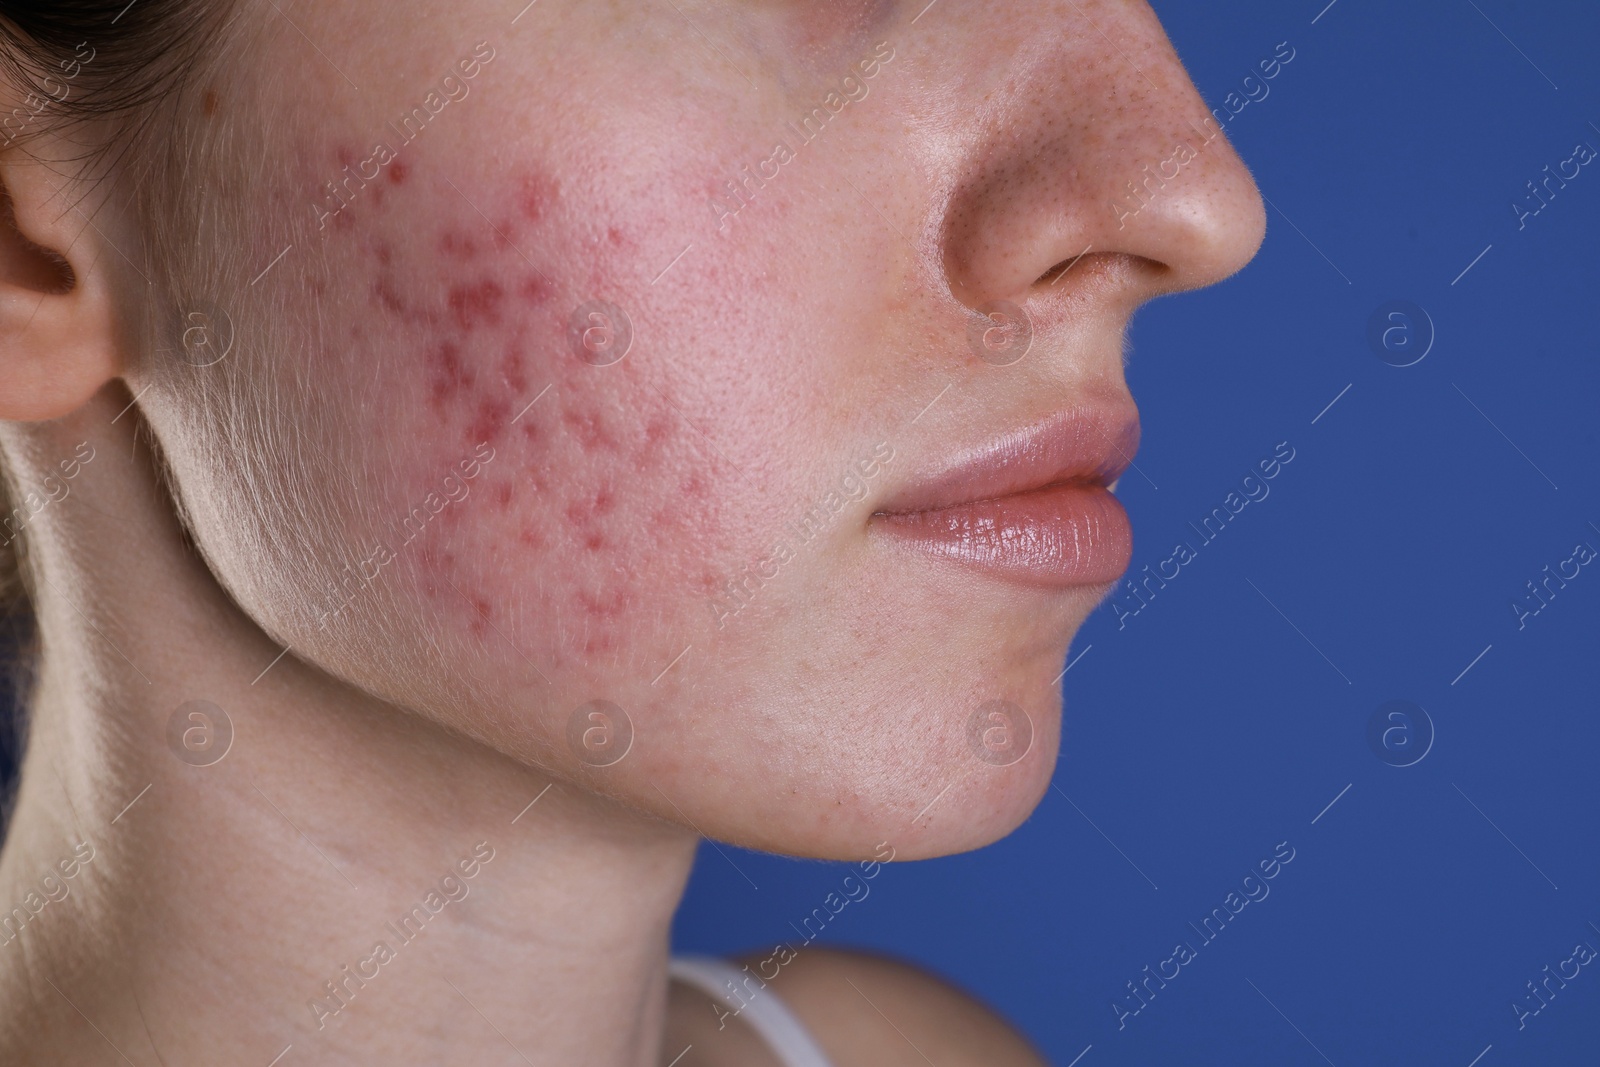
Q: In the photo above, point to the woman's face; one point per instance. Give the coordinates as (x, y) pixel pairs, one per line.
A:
(631, 353)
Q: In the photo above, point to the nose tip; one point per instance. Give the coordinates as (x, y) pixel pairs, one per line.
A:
(1194, 210)
(1104, 148)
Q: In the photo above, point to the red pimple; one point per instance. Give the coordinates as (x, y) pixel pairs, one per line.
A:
(490, 421)
(612, 605)
(398, 172)
(384, 292)
(578, 513)
(457, 245)
(535, 196)
(450, 374)
(511, 371)
(534, 289)
(502, 495)
(470, 304)
(599, 644)
(586, 426)
(481, 615)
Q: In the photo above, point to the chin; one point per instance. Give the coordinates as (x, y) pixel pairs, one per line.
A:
(925, 772)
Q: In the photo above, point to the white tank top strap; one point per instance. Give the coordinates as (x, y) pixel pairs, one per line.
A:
(760, 1007)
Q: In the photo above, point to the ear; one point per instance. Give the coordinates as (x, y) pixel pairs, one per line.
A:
(58, 338)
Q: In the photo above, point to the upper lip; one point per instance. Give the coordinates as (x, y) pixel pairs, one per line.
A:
(1088, 442)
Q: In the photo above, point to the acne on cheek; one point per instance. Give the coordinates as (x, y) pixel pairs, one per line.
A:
(586, 486)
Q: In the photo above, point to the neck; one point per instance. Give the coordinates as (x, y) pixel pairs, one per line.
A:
(347, 879)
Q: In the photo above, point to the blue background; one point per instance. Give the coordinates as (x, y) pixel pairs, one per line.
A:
(1216, 723)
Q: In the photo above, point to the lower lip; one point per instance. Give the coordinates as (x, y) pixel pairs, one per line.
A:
(1063, 536)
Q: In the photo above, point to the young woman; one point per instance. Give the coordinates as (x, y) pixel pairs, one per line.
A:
(462, 454)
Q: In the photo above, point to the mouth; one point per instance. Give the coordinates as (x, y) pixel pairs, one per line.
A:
(1032, 506)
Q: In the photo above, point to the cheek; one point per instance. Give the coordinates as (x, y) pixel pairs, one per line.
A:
(450, 309)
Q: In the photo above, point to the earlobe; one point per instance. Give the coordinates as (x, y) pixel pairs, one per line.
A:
(58, 339)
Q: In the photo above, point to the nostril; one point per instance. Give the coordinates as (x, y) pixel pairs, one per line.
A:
(1106, 266)
(1055, 273)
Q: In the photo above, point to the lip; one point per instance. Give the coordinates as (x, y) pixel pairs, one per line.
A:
(1033, 505)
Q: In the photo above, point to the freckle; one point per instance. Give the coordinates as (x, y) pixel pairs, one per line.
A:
(345, 219)
(594, 542)
(384, 253)
(531, 431)
(502, 494)
(656, 432)
(210, 102)
(346, 157)
(398, 172)
(528, 536)
(604, 502)
(614, 235)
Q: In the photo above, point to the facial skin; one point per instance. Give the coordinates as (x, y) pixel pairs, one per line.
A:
(445, 533)
(422, 309)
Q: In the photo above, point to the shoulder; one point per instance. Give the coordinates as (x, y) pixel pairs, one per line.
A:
(866, 1009)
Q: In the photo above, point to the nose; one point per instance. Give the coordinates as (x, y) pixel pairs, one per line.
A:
(1095, 143)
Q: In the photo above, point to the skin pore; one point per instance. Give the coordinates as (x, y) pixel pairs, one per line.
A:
(478, 353)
